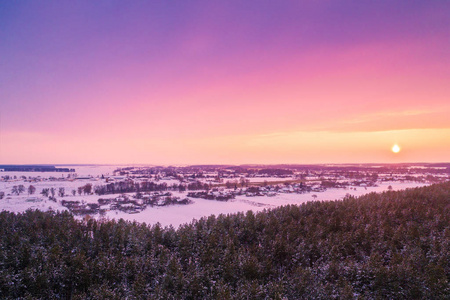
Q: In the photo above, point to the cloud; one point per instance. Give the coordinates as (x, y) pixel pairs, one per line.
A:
(387, 121)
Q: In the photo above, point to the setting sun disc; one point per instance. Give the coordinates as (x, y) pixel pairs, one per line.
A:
(396, 148)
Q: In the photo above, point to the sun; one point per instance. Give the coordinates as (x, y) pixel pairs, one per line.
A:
(396, 148)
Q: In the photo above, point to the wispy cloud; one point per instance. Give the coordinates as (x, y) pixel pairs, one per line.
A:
(388, 121)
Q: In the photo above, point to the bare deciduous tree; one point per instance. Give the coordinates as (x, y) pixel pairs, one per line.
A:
(31, 189)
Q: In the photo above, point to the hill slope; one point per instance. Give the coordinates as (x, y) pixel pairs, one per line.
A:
(389, 245)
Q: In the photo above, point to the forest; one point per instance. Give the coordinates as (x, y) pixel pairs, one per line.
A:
(393, 245)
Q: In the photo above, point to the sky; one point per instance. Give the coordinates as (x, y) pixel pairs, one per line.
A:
(224, 82)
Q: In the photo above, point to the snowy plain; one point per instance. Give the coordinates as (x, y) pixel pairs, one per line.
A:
(173, 215)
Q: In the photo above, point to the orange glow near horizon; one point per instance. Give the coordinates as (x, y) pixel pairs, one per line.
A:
(282, 147)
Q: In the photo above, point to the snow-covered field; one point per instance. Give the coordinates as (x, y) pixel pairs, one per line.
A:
(179, 214)
(174, 215)
(88, 170)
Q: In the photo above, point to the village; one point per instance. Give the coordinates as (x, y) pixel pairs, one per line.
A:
(133, 189)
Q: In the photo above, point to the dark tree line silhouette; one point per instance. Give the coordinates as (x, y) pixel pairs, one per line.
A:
(130, 186)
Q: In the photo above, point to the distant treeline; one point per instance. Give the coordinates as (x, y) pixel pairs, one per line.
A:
(394, 245)
(32, 168)
(129, 186)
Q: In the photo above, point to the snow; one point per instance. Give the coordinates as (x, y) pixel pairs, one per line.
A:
(174, 215)
(87, 170)
(19, 204)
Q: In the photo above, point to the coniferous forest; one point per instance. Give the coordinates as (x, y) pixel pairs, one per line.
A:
(394, 245)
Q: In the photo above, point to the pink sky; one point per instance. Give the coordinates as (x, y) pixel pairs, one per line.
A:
(205, 82)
